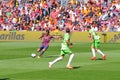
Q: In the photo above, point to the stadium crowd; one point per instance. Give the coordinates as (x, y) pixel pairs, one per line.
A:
(37, 15)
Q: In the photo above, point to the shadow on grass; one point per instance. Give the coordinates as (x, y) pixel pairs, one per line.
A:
(4, 79)
(52, 56)
(76, 67)
(99, 59)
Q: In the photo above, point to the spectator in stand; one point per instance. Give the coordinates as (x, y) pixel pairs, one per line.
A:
(36, 15)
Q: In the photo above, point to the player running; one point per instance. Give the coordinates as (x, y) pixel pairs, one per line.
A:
(65, 49)
(46, 37)
(95, 44)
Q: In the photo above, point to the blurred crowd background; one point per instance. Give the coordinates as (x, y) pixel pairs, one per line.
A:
(40, 15)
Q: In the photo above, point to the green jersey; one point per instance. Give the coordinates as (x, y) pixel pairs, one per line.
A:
(95, 36)
(64, 46)
(66, 38)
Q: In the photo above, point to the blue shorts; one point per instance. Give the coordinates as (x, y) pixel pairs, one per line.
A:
(43, 47)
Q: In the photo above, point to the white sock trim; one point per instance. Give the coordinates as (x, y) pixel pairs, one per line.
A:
(70, 59)
(100, 52)
(93, 52)
(57, 59)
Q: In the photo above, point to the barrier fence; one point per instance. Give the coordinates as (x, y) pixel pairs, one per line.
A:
(109, 37)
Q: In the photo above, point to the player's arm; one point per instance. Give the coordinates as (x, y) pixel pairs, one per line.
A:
(57, 37)
(90, 36)
(40, 37)
(69, 43)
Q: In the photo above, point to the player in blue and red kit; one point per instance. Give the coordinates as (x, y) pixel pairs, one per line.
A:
(46, 38)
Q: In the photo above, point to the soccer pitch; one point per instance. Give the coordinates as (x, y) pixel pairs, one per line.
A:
(16, 62)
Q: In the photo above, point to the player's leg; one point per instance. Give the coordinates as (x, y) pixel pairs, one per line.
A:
(54, 61)
(40, 48)
(68, 51)
(99, 51)
(43, 50)
(57, 59)
(69, 61)
(93, 51)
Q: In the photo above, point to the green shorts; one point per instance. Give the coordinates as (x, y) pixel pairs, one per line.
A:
(66, 51)
(96, 44)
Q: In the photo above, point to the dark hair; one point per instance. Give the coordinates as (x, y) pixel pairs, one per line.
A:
(94, 22)
(67, 30)
(48, 31)
(89, 27)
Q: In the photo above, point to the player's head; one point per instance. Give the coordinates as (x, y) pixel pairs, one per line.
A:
(47, 32)
(94, 23)
(67, 30)
(88, 28)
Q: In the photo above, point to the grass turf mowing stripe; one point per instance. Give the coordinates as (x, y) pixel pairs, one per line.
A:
(16, 63)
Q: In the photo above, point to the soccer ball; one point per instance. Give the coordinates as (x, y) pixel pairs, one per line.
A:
(33, 55)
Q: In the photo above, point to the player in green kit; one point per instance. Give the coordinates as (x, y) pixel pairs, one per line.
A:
(65, 49)
(95, 44)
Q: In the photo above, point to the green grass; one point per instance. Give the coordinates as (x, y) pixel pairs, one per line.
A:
(17, 64)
